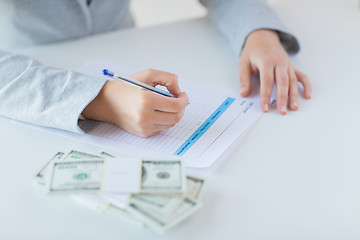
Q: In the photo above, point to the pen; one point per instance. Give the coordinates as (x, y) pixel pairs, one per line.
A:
(108, 73)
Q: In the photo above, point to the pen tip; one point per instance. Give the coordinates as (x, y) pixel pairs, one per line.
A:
(106, 72)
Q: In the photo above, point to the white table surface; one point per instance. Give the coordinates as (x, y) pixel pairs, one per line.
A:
(291, 177)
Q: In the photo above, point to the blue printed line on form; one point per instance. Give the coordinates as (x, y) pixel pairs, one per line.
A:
(204, 127)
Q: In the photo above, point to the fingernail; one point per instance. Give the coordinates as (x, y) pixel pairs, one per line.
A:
(283, 109)
(294, 104)
(242, 90)
(266, 107)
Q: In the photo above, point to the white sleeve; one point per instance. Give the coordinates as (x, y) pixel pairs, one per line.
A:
(34, 93)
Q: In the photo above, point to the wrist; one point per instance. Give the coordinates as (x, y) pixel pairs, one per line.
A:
(263, 39)
(99, 108)
(264, 33)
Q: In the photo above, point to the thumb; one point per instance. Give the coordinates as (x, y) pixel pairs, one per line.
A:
(245, 74)
(171, 83)
(183, 97)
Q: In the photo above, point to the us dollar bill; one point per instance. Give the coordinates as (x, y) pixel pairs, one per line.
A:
(77, 155)
(166, 195)
(106, 154)
(40, 177)
(163, 203)
(165, 176)
(77, 176)
(162, 221)
(160, 176)
(89, 175)
(170, 203)
(194, 187)
(43, 175)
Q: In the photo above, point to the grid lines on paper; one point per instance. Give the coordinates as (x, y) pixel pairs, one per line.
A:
(202, 105)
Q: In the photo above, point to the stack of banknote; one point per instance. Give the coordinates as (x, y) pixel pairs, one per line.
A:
(153, 193)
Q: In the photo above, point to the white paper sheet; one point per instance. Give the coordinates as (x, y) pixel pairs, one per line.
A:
(205, 101)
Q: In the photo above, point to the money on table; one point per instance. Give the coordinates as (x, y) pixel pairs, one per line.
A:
(117, 176)
(95, 176)
(154, 193)
(161, 176)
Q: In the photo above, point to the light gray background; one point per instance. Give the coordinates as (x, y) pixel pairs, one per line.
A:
(292, 177)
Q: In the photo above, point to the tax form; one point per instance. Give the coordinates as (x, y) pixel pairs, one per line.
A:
(214, 119)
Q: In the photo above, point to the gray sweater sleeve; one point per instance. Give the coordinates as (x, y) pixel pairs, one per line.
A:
(43, 95)
(236, 19)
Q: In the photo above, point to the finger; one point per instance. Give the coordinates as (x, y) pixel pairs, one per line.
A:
(266, 86)
(166, 118)
(282, 88)
(167, 104)
(293, 90)
(304, 80)
(169, 80)
(245, 74)
(153, 129)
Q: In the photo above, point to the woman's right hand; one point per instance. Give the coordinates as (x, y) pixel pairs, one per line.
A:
(137, 110)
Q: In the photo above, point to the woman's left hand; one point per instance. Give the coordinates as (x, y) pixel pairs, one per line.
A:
(264, 54)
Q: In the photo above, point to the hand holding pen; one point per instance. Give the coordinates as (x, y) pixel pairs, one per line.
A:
(114, 76)
(138, 109)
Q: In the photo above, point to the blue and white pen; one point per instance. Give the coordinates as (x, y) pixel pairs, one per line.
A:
(108, 73)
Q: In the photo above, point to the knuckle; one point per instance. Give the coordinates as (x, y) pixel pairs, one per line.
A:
(294, 86)
(178, 106)
(265, 92)
(267, 84)
(282, 96)
(282, 78)
(293, 91)
(264, 100)
(266, 78)
(293, 95)
(171, 80)
(174, 77)
(178, 117)
(149, 71)
(264, 97)
(293, 79)
(282, 81)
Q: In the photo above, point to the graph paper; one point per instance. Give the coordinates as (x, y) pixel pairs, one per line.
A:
(210, 113)
(212, 122)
